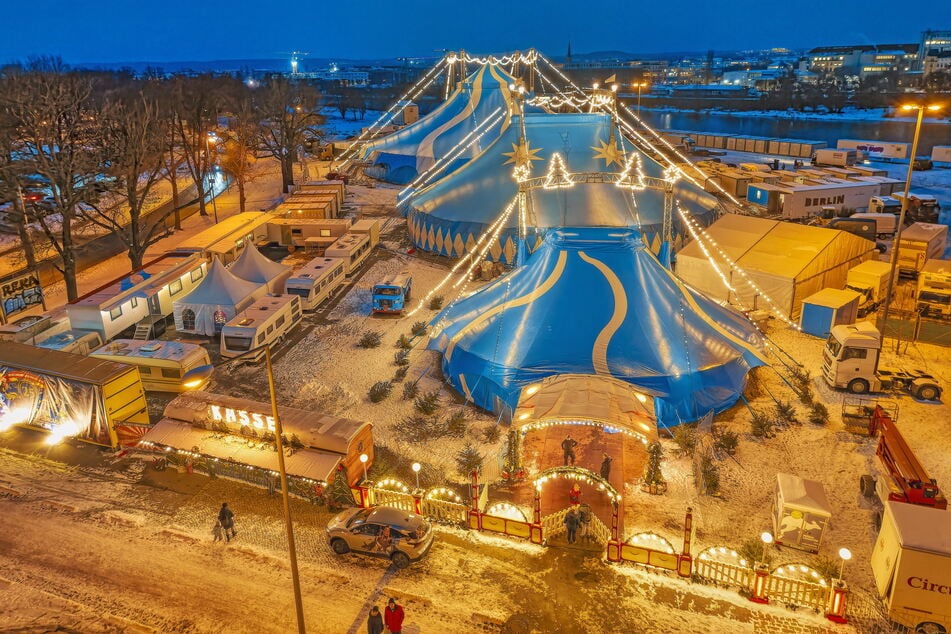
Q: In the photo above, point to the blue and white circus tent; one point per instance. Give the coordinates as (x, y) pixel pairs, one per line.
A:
(596, 301)
(480, 105)
(448, 216)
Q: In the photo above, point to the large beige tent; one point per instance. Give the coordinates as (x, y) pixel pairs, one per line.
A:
(788, 262)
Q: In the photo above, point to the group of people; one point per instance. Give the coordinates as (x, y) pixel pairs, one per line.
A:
(568, 449)
(391, 619)
(224, 525)
(577, 517)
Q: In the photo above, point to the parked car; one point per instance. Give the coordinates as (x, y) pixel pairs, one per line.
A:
(359, 530)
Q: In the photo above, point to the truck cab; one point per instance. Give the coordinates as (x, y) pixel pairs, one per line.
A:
(850, 361)
(392, 294)
(884, 205)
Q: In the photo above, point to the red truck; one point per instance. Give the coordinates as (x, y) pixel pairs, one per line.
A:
(904, 478)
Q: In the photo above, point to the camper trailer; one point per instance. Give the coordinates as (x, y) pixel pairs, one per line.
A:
(76, 341)
(226, 239)
(353, 248)
(370, 228)
(161, 364)
(316, 281)
(263, 323)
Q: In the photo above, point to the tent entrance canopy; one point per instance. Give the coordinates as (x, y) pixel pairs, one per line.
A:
(587, 399)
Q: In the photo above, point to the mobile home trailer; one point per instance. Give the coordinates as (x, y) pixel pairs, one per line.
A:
(353, 248)
(80, 342)
(306, 232)
(227, 238)
(316, 281)
(369, 227)
(263, 323)
(161, 364)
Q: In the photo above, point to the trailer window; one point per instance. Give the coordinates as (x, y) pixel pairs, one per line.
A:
(237, 343)
(280, 321)
(855, 353)
(115, 313)
(175, 287)
(171, 373)
(197, 274)
(300, 292)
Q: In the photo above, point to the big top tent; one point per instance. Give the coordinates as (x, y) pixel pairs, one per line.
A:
(479, 105)
(450, 215)
(596, 301)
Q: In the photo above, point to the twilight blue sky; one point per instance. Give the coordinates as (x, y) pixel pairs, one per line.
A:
(174, 30)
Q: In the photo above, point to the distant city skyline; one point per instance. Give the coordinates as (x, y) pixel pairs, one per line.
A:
(138, 32)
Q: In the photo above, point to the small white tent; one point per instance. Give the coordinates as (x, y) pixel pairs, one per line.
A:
(219, 297)
(788, 262)
(254, 266)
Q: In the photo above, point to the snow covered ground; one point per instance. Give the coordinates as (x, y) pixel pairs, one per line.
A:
(117, 550)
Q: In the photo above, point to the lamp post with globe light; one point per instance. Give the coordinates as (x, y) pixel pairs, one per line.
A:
(904, 210)
(209, 138)
(195, 378)
(767, 539)
(363, 460)
(416, 468)
(844, 555)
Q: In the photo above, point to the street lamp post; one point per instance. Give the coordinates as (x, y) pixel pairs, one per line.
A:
(904, 209)
(639, 85)
(416, 468)
(211, 175)
(193, 378)
(767, 539)
(363, 459)
(844, 554)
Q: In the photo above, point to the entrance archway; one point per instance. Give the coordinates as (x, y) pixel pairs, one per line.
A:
(599, 504)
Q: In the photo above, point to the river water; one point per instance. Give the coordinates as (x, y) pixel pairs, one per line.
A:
(809, 129)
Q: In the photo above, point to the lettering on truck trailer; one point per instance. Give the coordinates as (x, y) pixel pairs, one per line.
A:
(919, 583)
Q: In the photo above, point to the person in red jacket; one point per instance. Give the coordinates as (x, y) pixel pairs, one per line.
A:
(393, 617)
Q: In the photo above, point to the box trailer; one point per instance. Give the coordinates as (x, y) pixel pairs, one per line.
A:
(941, 154)
(919, 243)
(933, 295)
(875, 149)
(841, 158)
(827, 308)
(870, 280)
(72, 396)
(911, 563)
(800, 512)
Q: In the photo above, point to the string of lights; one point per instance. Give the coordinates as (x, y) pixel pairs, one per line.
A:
(390, 113)
(494, 230)
(457, 150)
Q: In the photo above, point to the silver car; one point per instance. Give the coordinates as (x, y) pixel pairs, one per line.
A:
(364, 530)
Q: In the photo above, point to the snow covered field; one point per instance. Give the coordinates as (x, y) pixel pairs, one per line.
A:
(96, 551)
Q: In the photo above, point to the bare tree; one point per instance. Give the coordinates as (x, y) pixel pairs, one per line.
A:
(55, 130)
(195, 102)
(240, 141)
(11, 175)
(286, 110)
(133, 137)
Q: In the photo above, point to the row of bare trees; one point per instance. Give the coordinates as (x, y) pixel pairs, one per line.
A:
(99, 144)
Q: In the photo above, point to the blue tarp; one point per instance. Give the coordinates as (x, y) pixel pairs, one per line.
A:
(399, 157)
(449, 216)
(597, 301)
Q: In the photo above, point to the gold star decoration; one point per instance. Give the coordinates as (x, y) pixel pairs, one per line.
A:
(609, 152)
(522, 154)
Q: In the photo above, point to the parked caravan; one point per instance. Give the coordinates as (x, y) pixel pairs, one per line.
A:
(353, 248)
(161, 364)
(80, 342)
(933, 297)
(227, 238)
(141, 299)
(264, 323)
(911, 563)
(26, 329)
(919, 243)
(306, 232)
(316, 281)
(69, 395)
(392, 294)
(369, 227)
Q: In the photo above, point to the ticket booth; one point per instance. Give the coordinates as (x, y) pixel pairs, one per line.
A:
(800, 512)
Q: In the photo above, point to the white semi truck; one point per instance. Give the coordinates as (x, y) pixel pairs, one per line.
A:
(850, 361)
(911, 563)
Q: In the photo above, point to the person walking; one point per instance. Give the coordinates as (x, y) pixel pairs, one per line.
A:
(375, 621)
(393, 616)
(226, 519)
(606, 467)
(568, 448)
(571, 525)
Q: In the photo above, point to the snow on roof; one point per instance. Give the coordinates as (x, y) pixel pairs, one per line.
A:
(307, 463)
(60, 364)
(921, 527)
(804, 494)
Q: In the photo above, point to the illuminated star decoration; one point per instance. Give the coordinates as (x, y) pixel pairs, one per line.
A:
(609, 152)
(522, 154)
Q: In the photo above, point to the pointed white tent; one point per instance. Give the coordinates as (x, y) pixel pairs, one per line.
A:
(219, 297)
(254, 266)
